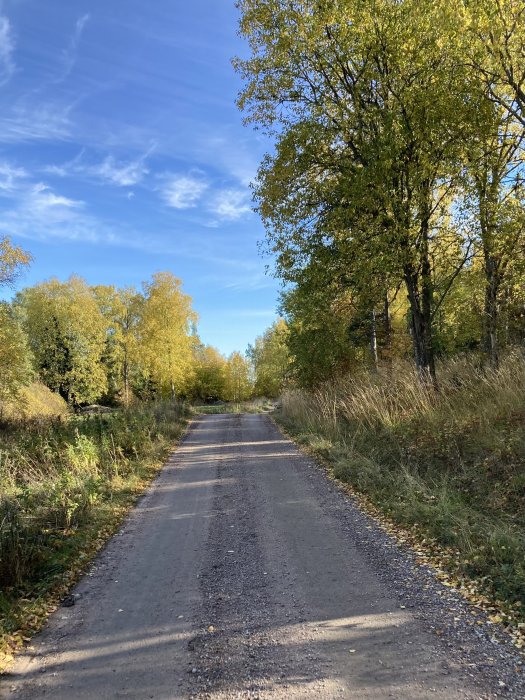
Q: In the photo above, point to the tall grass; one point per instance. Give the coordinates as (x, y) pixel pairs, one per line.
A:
(63, 483)
(450, 462)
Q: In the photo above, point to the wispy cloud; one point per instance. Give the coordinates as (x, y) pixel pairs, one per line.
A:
(40, 213)
(69, 55)
(11, 177)
(50, 121)
(249, 283)
(123, 174)
(43, 200)
(183, 191)
(120, 173)
(230, 204)
(7, 47)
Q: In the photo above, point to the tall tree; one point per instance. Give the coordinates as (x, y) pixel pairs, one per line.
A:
(270, 359)
(369, 106)
(238, 385)
(15, 362)
(165, 334)
(495, 176)
(15, 359)
(122, 310)
(67, 335)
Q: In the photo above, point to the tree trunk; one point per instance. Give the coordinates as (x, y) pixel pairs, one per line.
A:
(420, 293)
(373, 340)
(491, 310)
(387, 326)
(126, 381)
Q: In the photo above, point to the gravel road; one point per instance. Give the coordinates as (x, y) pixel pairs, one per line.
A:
(244, 572)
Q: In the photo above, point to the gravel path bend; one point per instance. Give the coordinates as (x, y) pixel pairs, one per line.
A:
(244, 572)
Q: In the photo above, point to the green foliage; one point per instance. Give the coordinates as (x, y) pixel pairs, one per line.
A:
(62, 482)
(397, 172)
(450, 463)
(67, 334)
(209, 382)
(106, 344)
(238, 385)
(15, 359)
(270, 359)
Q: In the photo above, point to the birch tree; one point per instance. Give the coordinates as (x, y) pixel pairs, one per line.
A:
(165, 334)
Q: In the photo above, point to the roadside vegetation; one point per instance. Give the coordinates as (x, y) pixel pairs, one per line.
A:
(65, 485)
(452, 463)
(96, 386)
(394, 207)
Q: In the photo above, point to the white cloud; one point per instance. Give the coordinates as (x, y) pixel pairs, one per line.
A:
(183, 191)
(231, 204)
(43, 121)
(7, 47)
(10, 177)
(41, 199)
(122, 174)
(70, 54)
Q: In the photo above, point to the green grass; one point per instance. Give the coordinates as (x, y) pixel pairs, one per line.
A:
(449, 463)
(65, 485)
(253, 406)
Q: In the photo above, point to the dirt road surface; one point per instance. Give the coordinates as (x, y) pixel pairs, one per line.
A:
(244, 572)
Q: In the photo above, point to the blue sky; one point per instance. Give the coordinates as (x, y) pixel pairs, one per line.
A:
(122, 152)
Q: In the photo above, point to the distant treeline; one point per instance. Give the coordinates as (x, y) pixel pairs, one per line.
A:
(105, 344)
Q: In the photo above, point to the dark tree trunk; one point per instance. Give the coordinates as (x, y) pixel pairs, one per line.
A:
(387, 327)
(491, 310)
(420, 289)
(373, 340)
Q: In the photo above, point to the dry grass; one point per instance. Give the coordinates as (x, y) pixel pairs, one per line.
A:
(450, 462)
(65, 484)
(35, 401)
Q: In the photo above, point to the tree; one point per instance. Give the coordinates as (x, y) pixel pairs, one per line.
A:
(164, 331)
(369, 110)
(495, 47)
(270, 359)
(122, 310)
(67, 335)
(12, 260)
(238, 386)
(495, 181)
(15, 358)
(209, 374)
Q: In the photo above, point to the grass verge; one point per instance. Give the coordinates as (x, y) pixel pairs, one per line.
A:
(65, 487)
(448, 466)
(254, 406)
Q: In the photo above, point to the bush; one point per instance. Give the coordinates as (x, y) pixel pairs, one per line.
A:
(62, 481)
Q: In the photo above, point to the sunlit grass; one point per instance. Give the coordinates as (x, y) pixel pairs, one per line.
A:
(65, 484)
(451, 462)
